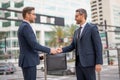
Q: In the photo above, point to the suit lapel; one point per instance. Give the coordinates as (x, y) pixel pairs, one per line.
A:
(84, 30)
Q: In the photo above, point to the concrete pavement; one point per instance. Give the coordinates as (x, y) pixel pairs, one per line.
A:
(107, 73)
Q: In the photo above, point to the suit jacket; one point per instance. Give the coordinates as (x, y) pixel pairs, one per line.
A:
(90, 46)
(29, 46)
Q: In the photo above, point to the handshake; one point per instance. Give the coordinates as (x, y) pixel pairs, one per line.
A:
(52, 51)
(55, 51)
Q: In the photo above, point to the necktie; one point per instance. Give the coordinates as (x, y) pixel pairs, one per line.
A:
(78, 42)
(79, 31)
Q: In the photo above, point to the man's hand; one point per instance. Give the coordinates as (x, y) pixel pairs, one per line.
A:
(59, 50)
(98, 67)
(56, 51)
(53, 51)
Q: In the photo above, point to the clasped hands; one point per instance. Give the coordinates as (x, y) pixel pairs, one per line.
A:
(55, 51)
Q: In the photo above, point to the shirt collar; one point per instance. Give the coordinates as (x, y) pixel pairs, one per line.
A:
(30, 25)
(83, 25)
(26, 21)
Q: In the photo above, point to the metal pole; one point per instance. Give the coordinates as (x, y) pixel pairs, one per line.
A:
(107, 44)
(99, 76)
(118, 50)
(6, 55)
(45, 67)
(5, 45)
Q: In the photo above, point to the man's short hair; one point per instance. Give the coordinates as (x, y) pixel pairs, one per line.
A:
(82, 11)
(27, 10)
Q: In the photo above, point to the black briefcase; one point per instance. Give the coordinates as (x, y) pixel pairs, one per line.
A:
(56, 62)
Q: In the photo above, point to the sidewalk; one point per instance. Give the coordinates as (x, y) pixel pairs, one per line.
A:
(109, 73)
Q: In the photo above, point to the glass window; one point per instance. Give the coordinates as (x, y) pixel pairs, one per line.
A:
(94, 9)
(7, 14)
(94, 2)
(8, 34)
(19, 4)
(100, 3)
(6, 24)
(118, 37)
(100, 7)
(94, 5)
(15, 14)
(48, 36)
(101, 18)
(2, 44)
(50, 20)
(47, 19)
(14, 34)
(100, 15)
(100, 11)
(14, 43)
(6, 5)
(38, 36)
(43, 19)
(17, 23)
(8, 43)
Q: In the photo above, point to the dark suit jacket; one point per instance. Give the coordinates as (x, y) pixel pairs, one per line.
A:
(90, 46)
(29, 46)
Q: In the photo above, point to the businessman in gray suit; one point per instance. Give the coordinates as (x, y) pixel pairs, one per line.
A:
(88, 48)
(29, 47)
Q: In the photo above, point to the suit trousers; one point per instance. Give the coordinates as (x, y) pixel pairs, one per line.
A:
(29, 73)
(84, 73)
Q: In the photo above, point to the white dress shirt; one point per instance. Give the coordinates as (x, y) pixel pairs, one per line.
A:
(83, 26)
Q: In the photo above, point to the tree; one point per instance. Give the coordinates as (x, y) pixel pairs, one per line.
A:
(2, 44)
(57, 36)
(59, 33)
(70, 31)
(2, 35)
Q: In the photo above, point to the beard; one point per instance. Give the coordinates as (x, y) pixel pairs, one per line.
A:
(31, 21)
(78, 22)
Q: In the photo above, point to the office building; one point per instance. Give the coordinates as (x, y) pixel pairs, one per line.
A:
(108, 10)
(57, 8)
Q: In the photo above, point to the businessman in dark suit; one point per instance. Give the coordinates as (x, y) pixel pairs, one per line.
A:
(88, 48)
(28, 58)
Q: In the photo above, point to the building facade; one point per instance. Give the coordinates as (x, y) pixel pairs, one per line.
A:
(108, 10)
(58, 8)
